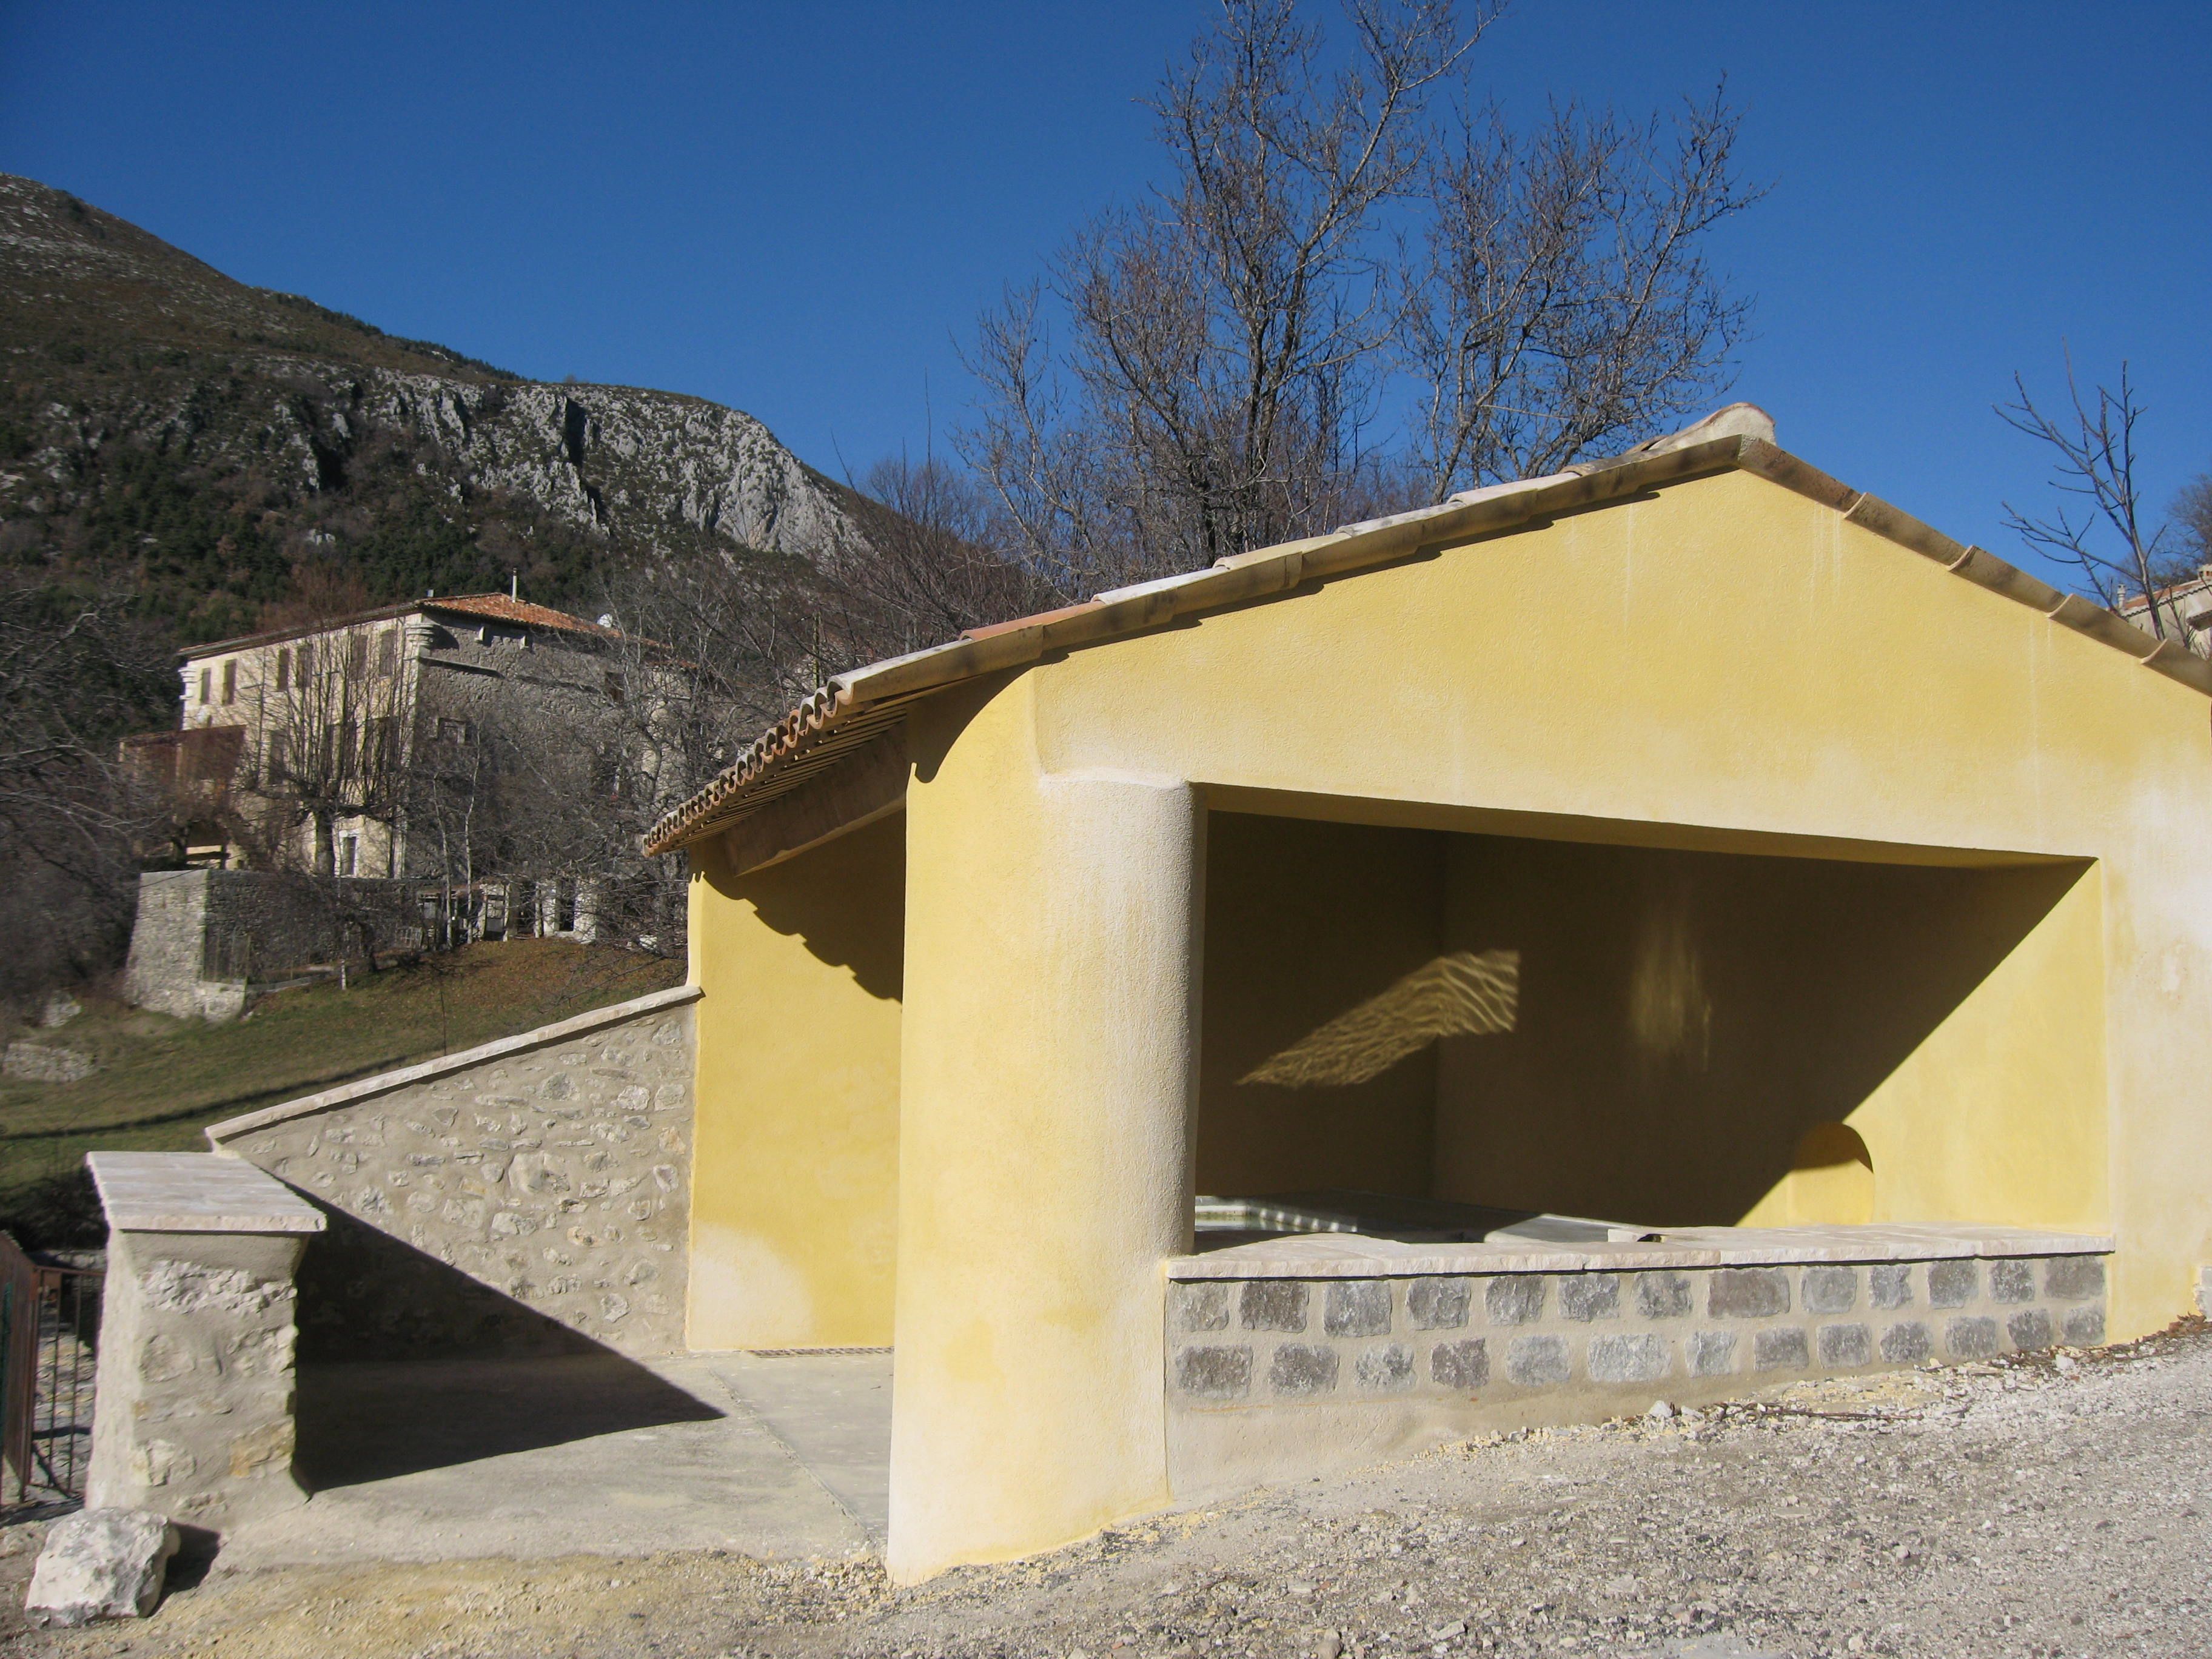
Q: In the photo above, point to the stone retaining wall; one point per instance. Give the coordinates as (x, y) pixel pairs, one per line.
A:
(201, 936)
(531, 1195)
(1270, 1378)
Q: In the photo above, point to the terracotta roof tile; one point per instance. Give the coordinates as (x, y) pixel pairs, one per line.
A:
(498, 607)
(486, 607)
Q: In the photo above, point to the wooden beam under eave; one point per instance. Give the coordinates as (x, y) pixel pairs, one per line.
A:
(866, 785)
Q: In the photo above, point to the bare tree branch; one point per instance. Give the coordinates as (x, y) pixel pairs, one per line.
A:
(1229, 341)
(2097, 527)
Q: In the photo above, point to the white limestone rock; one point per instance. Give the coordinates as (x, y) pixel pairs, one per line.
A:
(40, 1062)
(100, 1564)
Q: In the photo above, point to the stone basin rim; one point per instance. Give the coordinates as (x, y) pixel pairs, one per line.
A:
(1337, 1255)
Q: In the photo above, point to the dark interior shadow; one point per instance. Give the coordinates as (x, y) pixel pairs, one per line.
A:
(1680, 1019)
(406, 1363)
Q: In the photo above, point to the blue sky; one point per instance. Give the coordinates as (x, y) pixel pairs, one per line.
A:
(798, 209)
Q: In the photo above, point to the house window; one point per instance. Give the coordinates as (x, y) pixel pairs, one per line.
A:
(306, 661)
(379, 755)
(230, 680)
(207, 684)
(273, 759)
(348, 859)
(284, 670)
(357, 655)
(456, 732)
(340, 746)
(387, 652)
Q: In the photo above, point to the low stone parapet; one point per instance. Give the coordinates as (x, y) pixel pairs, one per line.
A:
(197, 1332)
(1308, 1354)
(529, 1195)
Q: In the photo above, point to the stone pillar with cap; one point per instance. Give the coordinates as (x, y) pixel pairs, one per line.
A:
(197, 1329)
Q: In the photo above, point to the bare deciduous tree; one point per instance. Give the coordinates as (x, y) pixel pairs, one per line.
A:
(2098, 526)
(926, 565)
(77, 672)
(1330, 224)
(333, 745)
(2191, 518)
(1563, 305)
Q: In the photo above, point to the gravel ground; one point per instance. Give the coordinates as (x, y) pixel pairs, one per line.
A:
(2052, 1505)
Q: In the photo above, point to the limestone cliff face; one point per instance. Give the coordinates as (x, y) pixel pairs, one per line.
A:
(160, 418)
(597, 457)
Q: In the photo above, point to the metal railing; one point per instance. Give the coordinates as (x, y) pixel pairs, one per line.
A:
(49, 1335)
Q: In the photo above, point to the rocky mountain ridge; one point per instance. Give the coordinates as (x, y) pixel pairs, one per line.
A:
(201, 439)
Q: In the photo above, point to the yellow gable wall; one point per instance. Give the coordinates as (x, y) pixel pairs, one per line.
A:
(795, 1205)
(1721, 665)
(1728, 655)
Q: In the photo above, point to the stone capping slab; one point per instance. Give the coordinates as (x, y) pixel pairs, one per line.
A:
(385, 1082)
(196, 1192)
(1353, 1256)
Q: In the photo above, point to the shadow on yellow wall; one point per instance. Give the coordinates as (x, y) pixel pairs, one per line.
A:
(795, 1184)
(1831, 1182)
(1651, 1035)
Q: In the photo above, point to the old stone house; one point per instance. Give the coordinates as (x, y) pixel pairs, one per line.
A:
(355, 747)
(2187, 605)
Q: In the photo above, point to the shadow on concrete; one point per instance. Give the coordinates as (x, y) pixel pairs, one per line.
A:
(360, 1422)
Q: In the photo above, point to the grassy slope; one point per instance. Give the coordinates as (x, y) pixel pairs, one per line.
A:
(162, 1081)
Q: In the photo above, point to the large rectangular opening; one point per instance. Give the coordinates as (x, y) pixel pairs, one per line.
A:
(1643, 1034)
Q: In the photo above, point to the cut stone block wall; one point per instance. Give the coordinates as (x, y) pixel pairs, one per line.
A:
(531, 1195)
(1272, 1379)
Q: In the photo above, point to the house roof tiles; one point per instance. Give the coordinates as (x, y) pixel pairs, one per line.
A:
(479, 607)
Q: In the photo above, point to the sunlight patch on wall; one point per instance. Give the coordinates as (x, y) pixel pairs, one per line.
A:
(1669, 1007)
(1466, 993)
(745, 1294)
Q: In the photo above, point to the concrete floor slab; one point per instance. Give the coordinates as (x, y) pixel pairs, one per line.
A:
(833, 1412)
(533, 1458)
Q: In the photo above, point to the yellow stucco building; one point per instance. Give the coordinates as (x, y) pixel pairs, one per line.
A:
(1689, 840)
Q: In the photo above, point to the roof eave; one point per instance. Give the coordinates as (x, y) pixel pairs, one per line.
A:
(1266, 571)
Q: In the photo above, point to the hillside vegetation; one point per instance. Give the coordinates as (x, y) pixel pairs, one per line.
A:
(199, 439)
(162, 1081)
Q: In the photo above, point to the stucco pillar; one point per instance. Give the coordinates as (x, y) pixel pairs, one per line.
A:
(1048, 1073)
(196, 1338)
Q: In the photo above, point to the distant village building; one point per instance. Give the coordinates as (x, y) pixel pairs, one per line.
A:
(361, 748)
(2189, 604)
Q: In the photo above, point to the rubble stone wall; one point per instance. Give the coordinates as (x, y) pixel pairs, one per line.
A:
(194, 1380)
(529, 1196)
(1273, 1378)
